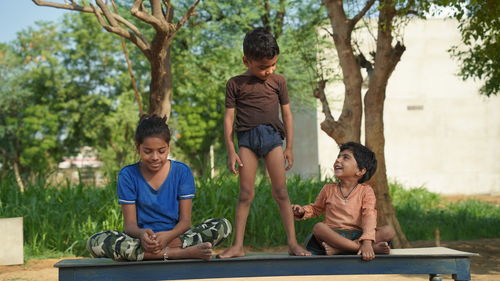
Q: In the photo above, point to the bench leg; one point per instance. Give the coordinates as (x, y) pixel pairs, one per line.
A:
(435, 277)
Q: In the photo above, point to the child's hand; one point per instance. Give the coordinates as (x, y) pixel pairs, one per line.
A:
(149, 240)
(288, 154)
(164, 238)
(298, 211)
(366, 250)
(232, 159)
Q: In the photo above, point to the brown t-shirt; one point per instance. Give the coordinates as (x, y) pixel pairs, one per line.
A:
(257, 102)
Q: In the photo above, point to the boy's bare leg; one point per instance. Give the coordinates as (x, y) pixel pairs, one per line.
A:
(383, 235)
(199, 251)
(275, 164)
(338, 243)
(247, 192)
(330, 251)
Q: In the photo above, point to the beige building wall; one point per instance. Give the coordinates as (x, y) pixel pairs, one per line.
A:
(440, 133)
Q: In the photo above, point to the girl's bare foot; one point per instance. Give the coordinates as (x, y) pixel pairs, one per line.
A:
(199, 251)
(232, 252)
(297, 250)
(381, 248)
(330, 251)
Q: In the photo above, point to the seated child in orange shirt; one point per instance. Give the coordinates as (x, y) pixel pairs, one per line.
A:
(350, 224)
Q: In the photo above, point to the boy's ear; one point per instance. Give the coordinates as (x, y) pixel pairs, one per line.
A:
(245, 61)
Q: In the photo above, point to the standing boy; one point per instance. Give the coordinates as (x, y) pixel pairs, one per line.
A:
(256, 96)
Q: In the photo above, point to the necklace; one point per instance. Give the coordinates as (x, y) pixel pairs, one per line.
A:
(344, 197)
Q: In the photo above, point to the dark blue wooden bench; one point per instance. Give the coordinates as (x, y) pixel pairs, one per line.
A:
(432, 261)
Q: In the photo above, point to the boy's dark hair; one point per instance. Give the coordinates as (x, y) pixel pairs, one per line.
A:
(259, 44)
(151, 125)
(365, 158)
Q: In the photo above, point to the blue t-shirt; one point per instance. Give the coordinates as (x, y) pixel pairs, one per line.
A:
(156, 209)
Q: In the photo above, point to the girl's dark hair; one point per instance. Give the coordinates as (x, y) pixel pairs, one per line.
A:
(365, 158)
(259, 44)
(151, 125)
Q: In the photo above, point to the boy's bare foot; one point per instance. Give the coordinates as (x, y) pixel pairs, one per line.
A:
(330, 251)
(232, 252)
(381, 248)
(297, 250)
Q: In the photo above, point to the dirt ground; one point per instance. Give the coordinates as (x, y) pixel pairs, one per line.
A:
(485, 267)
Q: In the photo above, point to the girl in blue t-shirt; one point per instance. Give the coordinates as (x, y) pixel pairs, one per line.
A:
(156, 198)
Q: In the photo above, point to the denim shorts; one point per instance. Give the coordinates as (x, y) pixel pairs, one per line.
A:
(261, 139)
(315, 247)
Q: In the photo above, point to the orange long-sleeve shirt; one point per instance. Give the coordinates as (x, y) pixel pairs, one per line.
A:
(358, 212)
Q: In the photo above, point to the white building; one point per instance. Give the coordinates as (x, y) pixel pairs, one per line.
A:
(440, 133)
(84, 167)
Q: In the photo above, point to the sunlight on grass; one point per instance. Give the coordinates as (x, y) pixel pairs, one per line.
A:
(58, 220)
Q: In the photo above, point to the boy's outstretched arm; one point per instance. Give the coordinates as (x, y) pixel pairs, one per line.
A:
(286, 114)
(232, 156)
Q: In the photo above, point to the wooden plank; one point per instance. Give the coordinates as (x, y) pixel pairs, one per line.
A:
(437, 260)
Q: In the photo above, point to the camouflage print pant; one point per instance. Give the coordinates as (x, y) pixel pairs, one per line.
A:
(120, 246)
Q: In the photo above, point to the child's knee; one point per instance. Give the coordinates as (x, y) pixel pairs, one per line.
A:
(391, 233)
(319, 228)
(387, 232)
(280, 194)
(246, 195)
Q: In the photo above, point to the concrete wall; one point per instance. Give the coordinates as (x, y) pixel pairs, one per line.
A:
(440, 133)
(306, 161)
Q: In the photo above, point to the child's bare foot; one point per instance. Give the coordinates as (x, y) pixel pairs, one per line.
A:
(232, 252)
(330, 251)
(381, 248)
(297, 250)
(202, 251)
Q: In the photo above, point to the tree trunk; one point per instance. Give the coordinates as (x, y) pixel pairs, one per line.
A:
(17, 175)
(161, 87)
(386, 59)
(348, 126)
(375, 140)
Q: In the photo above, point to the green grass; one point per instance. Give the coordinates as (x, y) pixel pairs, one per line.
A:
(420, 212)
(58, 220)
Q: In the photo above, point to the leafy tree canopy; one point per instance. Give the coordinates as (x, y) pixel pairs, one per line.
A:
(479, 24)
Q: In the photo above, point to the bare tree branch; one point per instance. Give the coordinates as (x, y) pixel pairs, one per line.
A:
(168, 11)
(137, 95)
(186, 16)
(362, 13)
(327, 31)
(279, 19)
(72, 6)
(156, 9)
(319, 93)
(138, 12)
(143, 46)
(107, 13)
(266, 18)
(138, 38)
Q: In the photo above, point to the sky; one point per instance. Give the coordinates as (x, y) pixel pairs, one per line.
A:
(16, 15)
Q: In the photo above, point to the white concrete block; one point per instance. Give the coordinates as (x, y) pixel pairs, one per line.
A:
(11, 235)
